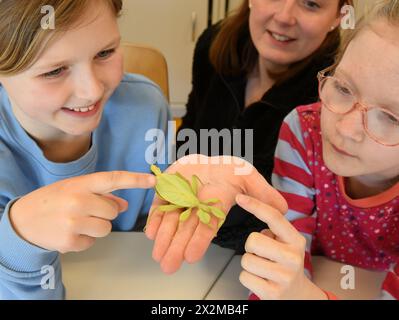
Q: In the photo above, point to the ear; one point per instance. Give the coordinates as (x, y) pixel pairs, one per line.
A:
(249, 4)
(337, 22)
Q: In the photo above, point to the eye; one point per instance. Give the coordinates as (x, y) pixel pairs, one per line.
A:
(105, 54)
(55, 73)
(311, 5)
(341, 88)
(389, 118)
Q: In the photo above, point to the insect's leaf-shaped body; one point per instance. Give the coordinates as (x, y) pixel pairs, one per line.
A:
(175, 190)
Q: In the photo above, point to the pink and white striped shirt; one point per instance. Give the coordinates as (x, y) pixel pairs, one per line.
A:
(362, 232)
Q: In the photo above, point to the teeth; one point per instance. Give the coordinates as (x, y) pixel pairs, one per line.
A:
(86, 109)
(279, 37)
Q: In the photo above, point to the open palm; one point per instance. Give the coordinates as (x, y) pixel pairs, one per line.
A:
(223, 178)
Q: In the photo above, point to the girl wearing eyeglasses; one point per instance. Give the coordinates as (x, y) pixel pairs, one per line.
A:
(336, 164)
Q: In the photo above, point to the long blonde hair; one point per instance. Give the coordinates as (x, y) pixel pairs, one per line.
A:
(22, 38)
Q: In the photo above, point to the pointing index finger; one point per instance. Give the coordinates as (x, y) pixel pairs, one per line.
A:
(276, 221)
(106, 182)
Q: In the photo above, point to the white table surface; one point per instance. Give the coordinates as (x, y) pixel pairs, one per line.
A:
(327, 275)
(120, 266)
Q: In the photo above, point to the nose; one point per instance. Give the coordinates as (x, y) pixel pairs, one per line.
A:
(285, 14)
(88, 86)
(350, 125)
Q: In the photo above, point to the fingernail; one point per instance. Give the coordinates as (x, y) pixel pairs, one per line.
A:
(243, 199)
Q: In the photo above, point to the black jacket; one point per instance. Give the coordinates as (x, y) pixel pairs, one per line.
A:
(217, 101)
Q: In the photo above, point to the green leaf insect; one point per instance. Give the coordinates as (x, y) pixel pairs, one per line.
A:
(182, 194)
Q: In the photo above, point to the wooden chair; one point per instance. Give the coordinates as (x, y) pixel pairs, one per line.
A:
(148, 62)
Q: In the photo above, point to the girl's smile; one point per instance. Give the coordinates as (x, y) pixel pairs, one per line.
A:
(66, 89)
(83, 112)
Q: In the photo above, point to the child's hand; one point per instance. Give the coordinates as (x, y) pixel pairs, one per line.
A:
(189, 240)
(274, 262)
(68, 215)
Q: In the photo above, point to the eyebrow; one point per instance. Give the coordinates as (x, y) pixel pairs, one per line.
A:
(53, 65)
(391, 106)
(347, 76)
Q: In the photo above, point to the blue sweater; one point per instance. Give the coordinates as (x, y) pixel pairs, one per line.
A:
(119, 143)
